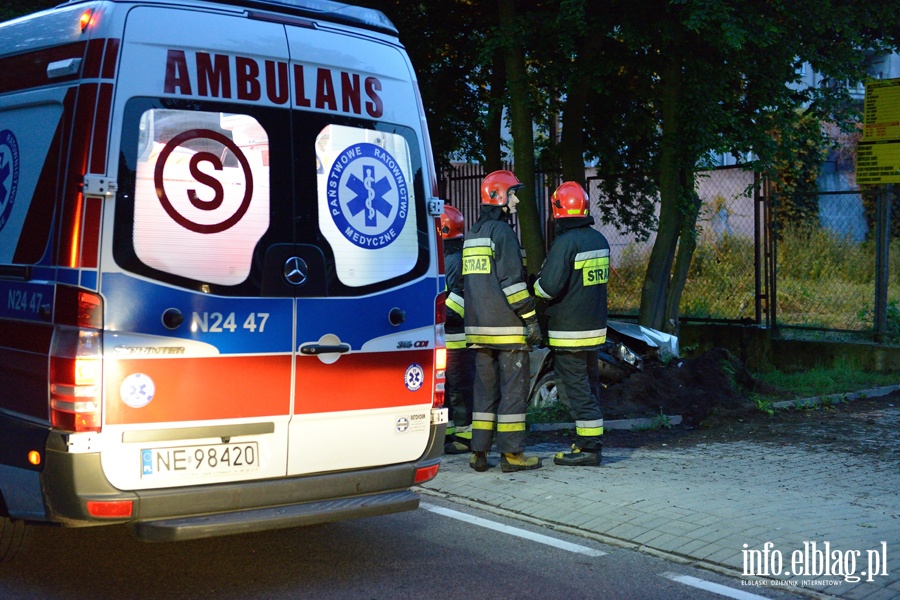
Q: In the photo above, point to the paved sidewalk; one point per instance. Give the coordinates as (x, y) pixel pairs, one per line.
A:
(718, 505)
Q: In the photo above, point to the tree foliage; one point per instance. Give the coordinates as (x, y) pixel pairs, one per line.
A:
(448, 63)
(647, 90)
(643, 90)
(16, 8)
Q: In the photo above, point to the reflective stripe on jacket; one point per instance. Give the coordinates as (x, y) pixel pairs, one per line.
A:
(574, 278)
(455, 327)
(494, 281)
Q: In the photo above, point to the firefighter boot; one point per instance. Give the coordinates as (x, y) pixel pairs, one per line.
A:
(510, 463)
(578, 458)
(456, 446)
(479, 461)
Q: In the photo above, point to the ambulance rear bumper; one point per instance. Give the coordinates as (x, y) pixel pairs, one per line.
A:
(279, 517)
(69, 481)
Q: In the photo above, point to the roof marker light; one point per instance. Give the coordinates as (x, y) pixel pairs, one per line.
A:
(85, 19)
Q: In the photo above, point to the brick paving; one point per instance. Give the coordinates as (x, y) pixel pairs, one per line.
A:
(711, 503)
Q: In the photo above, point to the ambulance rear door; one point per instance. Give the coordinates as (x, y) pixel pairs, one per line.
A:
(268, 273)
(198, 348)
(363, 269)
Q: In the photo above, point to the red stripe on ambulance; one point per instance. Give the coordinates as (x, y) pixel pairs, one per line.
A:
(29, 69)
(90, 245)
(366, 381)
(93, 59)
(110, 58)
(201, 389)
(24, 346)
(83, 123)
(101, 128)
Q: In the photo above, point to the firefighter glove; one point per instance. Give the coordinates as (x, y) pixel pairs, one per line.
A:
(532, 332)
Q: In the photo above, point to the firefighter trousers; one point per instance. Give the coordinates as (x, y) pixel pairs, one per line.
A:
(460, 381)
(578, 383)
(502, 380)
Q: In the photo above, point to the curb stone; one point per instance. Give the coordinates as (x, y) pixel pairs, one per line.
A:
(837, 398)
(656, 422)
(635, 424)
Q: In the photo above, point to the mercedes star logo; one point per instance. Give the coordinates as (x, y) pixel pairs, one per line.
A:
(295, 270)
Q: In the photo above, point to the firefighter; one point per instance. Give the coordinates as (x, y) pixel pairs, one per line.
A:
(460, 359)
(501, 324)
(573, 279)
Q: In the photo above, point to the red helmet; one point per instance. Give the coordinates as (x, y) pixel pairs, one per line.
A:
(570, 200)
(497, 185)
(452, 223)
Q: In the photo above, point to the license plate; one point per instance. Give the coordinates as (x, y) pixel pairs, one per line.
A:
(188, 461)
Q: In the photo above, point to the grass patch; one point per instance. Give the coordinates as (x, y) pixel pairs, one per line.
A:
(660, 421)
(554, 413)
(764, 404)
(841, 378)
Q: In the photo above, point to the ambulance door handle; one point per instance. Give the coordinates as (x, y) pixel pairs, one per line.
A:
(314, 349)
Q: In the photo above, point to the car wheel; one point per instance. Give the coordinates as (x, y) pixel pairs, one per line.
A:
(12, 535)
(545, 392)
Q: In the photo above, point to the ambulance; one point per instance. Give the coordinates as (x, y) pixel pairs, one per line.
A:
(221, 280)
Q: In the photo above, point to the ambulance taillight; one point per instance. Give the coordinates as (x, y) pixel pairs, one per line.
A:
(426, 474)
(76, 365)
(440, 349)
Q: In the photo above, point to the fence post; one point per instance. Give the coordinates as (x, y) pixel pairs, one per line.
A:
(773, 258)
(758, 225)
(882, 256)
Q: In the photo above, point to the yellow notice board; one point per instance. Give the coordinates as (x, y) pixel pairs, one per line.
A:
(878, 153)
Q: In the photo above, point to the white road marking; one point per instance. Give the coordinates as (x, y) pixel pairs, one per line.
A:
(535, 537)
(722, 590)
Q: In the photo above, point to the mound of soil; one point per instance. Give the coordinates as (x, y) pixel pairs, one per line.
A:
(713, 385)
(713, 394)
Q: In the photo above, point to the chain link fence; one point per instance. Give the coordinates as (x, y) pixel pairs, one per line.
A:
(758, 259)
(724, 276)
(834, 271)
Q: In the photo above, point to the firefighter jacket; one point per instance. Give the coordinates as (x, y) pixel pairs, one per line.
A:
(456, 307)
(499, 302)
(573, 278)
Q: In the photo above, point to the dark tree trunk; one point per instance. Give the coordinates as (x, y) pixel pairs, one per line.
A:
(656, 282)
(687, 243)
(523, 143)
(493, 155)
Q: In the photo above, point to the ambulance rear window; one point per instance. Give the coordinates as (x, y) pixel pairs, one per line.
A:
(228, 198)
(366, 204)
(201, 201)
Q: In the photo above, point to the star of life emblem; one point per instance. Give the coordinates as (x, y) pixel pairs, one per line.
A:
(368, 196)
(137, 390)
(414, 377)
(9, 174)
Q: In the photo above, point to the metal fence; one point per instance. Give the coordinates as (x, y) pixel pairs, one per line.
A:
(835, 268)
(461, 187)
(725, 282)
(839, 269)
